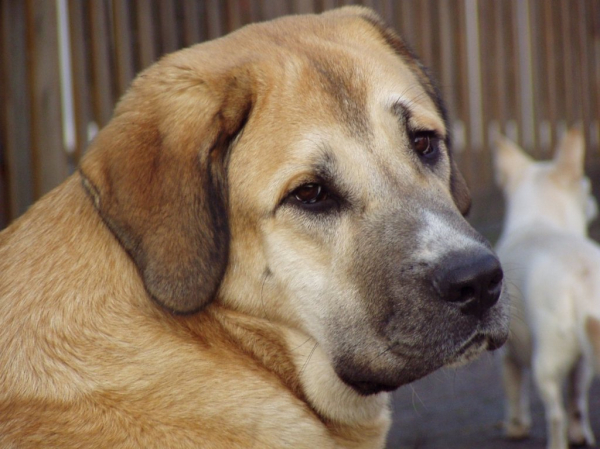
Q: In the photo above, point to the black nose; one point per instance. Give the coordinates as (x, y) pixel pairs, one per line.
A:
(474, 282)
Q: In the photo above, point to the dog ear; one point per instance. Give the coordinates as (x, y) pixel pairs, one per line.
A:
(460, 191)
(569, 156)
(157, 174)
(510, 161)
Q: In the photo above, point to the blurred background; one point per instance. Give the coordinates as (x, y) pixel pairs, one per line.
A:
(527, 68)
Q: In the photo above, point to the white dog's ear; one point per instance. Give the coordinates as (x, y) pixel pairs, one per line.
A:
(569, 157)
(510, 161)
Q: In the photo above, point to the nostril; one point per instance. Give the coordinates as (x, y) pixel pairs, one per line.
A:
(491, 296)
(473, 282)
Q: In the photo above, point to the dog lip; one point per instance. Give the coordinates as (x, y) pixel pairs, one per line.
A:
(496, 341)
(476, 339)
(366, 388)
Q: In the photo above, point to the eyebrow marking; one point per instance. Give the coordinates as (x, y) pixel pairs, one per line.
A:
(325, 165)
(402, 111)
(405, 113)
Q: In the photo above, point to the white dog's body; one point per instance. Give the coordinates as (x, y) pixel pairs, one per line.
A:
(553, 274)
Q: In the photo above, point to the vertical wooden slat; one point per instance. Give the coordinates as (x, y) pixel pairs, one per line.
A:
(555, 60)
(433, 19)
(486, 48)
(463, 112)
(49, 158)
(511, 127)
(543, 77)
(581, 33)
(387, 11)
(412, 22)
(16, 109)
(102, 95)
(194, 29)
(567, 60)
(447, 60)
(168, 28)
(499, 67)
(524, 76)
(249, 11)
(303, 6)
(4, 212)
(273, 9)
(255, 8)
(214, 18)
(539, 67)
(404, 20)
(373, 4)
(237, 15)
(474, 74)
(80, 77)
(425, 33)
(146, 33)
(593, 56)
(123, 44)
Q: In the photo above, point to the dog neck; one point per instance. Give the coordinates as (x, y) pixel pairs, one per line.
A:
(304, 369)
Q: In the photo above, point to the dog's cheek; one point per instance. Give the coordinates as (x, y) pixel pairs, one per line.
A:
(399, 255)
(300, 271)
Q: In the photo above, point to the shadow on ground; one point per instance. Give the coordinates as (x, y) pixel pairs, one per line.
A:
(463, 409)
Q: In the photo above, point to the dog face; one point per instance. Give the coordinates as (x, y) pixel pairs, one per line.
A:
(300, 171)
(557, 190)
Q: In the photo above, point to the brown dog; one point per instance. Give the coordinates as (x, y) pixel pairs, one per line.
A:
(264, 241)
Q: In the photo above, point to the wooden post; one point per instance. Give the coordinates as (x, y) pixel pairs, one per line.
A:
(49, 157)
(15, 115)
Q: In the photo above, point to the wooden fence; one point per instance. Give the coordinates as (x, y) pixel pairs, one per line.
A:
(526, 67)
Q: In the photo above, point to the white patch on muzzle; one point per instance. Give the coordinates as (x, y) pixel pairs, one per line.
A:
(439, 238)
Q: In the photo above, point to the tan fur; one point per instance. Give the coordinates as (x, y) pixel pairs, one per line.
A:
(166, 295)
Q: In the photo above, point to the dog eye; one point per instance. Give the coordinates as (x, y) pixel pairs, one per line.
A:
(425, 144)
(310, 193)
(314, 197)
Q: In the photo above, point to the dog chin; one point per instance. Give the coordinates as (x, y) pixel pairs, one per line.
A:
(470, 350)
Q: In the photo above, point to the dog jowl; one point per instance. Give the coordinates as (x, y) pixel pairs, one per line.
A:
(266, 238)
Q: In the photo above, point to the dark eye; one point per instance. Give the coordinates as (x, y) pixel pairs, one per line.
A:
(310, 193)
(314, 197)
(425, 144)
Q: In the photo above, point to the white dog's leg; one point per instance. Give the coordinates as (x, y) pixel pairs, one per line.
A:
(580, 379)
(549, 372)
(517, 417)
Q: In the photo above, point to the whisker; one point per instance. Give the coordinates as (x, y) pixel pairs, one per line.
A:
(308, 358)
(301, 344)
(262, 300)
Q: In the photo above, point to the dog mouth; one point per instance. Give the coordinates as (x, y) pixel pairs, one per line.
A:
(473, 347)
(466, 352)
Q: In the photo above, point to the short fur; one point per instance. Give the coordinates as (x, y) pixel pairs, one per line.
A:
(554, 283)
(175, 292)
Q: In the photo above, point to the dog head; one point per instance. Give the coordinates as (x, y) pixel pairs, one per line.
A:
(555, 191)
(300, 171)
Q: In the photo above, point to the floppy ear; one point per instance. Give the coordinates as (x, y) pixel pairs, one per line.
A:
(157, 174)
(460, 191)
(569, 156)
(509, 161)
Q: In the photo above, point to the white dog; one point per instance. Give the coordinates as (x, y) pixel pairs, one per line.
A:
(553, 276)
